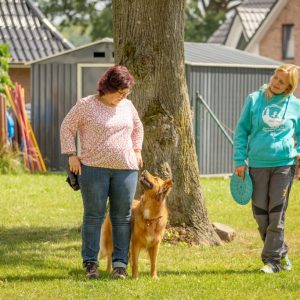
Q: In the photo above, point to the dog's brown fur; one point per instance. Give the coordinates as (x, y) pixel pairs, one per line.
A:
(149, 218)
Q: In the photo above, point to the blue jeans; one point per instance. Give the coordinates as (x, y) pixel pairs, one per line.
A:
(96, 185)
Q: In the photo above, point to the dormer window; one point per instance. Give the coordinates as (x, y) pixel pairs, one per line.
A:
(288, 43)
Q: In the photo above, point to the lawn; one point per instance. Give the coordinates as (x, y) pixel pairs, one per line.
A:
(40, 241)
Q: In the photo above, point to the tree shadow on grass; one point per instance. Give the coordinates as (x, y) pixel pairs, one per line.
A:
(40, 249)
(21, 246)
(40, 253)
(73, 274)
(208, 272)
(29, 278)
(78, 275)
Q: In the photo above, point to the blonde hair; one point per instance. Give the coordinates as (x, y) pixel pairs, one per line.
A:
(293, 76)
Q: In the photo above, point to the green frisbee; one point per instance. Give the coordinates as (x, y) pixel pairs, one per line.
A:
(241, 190)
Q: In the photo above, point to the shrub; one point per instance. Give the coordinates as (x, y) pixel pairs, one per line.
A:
(10, 161)
(4, 59)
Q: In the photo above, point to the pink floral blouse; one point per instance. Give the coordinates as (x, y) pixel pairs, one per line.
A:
(108, 135)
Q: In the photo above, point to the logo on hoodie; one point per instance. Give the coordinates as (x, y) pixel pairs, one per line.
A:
(273, 117)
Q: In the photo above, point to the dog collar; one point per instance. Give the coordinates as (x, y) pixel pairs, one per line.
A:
(150, 221)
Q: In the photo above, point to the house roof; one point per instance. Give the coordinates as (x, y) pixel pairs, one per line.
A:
(28, 33)
(220, 55)
(251, 13)
(220, 35)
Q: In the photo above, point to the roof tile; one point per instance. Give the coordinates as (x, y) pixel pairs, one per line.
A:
(29, 36)
(251, 13)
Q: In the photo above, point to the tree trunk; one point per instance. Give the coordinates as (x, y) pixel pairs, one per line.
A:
(149, 40)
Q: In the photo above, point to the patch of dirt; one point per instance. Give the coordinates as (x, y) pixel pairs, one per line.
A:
(179, 234)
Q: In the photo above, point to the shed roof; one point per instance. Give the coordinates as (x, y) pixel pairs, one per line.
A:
(28, 33)
(251, 13)
(196, 54)
(73, 50)
(216, 54)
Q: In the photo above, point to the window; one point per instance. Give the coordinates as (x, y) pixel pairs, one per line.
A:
(288, 49)
(99, 54)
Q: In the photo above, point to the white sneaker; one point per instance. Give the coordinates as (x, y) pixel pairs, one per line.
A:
(269, 269)
(286, 264)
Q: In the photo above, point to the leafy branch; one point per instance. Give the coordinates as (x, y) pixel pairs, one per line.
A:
(4, 60)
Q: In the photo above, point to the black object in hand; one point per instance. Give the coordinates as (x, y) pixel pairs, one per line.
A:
(72, 179)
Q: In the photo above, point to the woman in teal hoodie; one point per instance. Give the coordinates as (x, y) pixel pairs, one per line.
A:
(268, 137)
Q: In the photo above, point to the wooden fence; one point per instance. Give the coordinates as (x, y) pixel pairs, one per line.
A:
(3, 122)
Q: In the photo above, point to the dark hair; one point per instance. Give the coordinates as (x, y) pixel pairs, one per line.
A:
(114, 79)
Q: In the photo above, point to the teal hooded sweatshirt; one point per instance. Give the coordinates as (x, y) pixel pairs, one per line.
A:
(267, 132)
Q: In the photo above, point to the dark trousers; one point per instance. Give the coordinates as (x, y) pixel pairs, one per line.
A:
(271, 188)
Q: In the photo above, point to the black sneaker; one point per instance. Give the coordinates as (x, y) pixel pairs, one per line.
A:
(91, 270)
(119, 273)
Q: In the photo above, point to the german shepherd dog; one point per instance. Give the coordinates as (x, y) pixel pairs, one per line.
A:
(149, 217)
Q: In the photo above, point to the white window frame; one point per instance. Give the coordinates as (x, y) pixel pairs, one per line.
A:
(288, 41)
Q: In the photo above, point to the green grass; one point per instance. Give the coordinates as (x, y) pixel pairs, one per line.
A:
(40, 241)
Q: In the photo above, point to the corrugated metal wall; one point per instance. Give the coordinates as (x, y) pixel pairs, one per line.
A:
(55, 89)
(224, 89)
(54, 92)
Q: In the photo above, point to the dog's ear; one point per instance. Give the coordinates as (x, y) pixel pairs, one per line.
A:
(166, 188)
(168, 184)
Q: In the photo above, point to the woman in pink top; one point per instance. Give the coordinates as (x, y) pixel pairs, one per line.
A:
(111, 136)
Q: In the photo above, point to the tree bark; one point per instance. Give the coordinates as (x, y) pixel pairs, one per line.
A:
(149, 40)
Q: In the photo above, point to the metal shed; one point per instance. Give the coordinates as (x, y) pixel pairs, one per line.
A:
(223, 76)
(57, 82)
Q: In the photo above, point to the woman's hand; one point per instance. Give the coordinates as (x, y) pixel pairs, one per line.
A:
(240, 171)
(75, 165)
(139, 158)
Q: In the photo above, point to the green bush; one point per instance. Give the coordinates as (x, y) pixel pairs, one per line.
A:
(10, 161)
(4, 59)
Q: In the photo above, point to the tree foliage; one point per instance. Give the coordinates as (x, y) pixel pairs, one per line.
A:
(202, 17)
(94, 18)
(4, 59)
